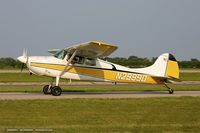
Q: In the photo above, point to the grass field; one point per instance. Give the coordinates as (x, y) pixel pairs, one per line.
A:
(103, 88)
(22, 77)
(164, 115)
(25, 77)
(190, 76)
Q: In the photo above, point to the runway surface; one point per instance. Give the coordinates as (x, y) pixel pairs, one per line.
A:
(101, 95)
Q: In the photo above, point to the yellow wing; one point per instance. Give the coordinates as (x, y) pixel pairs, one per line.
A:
(93, 49)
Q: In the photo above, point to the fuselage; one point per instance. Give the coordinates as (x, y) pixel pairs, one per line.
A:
(89, 69)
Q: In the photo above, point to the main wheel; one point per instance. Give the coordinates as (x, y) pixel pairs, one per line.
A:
(56, 91)
(47, 89)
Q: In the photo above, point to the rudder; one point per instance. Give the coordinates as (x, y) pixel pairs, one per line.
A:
(172, 70)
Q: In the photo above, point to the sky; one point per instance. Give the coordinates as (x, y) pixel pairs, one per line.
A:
(144, 28)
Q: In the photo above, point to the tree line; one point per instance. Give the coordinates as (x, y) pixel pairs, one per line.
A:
(134, 61)
(131, 61)
(9, 63)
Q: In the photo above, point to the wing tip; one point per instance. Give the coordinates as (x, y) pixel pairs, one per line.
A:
(102, 43)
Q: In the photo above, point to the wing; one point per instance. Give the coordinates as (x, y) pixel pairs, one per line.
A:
(93, 49)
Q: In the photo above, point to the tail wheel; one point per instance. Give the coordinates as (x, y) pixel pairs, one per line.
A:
(47, 89)
(171, 91)
(56, 91)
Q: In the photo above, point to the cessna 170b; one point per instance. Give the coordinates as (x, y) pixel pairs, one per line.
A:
(81, 62)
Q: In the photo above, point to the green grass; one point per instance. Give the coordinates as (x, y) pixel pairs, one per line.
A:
(160, 115)
(190, 76)
(103, 88)
(25, 77)
(101, 115)
(22, 77)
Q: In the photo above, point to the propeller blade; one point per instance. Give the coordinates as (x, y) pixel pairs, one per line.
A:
(22, 67)
(27, 60)
(24, 59)
(24, 54)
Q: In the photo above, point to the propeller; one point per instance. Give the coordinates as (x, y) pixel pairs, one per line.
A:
(22, 67)
(23, 59)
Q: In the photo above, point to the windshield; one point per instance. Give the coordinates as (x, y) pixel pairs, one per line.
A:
(77, 59)
(60, 54)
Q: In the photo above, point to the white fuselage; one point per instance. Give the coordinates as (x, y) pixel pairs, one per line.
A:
(69, 75)
(85, 68)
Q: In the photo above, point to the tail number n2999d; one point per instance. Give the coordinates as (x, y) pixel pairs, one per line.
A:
(131, 77)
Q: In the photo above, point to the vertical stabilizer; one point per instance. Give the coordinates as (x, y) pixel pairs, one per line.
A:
(165, 66)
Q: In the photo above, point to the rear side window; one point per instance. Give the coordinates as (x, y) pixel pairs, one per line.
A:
(90, 62)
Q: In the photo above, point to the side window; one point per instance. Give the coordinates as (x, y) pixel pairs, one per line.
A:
(90, 62)
(78, 60)
(83, 61)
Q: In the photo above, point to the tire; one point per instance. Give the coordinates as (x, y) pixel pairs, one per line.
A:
(56, 91)
(171, 91)
(46, 90)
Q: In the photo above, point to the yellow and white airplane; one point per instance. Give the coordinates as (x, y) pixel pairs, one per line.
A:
(81, 62)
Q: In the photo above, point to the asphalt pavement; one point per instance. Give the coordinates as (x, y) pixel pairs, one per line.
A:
(92, 95)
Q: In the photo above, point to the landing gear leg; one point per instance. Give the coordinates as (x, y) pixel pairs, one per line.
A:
(171, 91)
(56, 90)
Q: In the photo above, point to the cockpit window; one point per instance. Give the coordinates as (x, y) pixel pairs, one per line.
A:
(60, 54)
(77, 59)
(90, 62)
(83, 61)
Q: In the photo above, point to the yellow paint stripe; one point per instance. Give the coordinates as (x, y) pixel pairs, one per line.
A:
(99, 73)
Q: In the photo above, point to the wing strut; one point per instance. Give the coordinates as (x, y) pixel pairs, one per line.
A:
(69, 61)
(65, 69)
